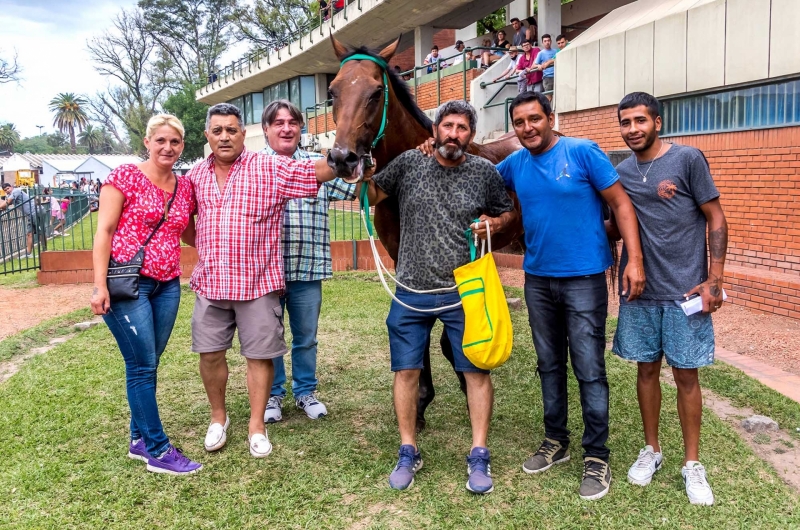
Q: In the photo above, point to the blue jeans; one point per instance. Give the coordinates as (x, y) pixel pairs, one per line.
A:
(142, 328)
(303, 300)
(571, 312)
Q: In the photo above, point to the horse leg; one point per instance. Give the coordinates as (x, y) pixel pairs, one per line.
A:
(426, 390)
(447, 350)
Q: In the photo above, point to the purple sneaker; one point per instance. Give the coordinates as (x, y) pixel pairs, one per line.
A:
(173, 462)
(479, 469)
(408, 463)
(137, 451)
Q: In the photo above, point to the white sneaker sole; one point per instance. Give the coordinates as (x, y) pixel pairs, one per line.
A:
(708, 501)
(646, 481)
(163, 471)
(137, 457)
(597, 496)
(534, 471)
(479, 492)
(273, 419)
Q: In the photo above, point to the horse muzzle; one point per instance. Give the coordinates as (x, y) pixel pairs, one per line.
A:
(346, 165)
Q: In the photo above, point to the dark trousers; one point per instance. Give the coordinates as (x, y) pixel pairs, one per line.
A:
(571, 312)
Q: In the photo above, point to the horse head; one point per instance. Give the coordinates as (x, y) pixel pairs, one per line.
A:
(360, 94)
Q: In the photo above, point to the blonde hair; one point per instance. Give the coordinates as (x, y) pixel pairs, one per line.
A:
(159, 120)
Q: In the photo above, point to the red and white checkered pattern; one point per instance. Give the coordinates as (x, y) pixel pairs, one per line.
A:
(239, 230)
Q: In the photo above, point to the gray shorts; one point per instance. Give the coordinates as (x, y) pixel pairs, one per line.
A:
(548, 83)
(259, 321)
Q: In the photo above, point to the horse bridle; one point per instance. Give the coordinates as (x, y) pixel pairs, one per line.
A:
(384, 67)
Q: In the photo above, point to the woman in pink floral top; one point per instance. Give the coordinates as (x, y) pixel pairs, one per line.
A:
(132, 202)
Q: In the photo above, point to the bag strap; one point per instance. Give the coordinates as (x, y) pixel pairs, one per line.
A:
(166, 213)
(472, 239)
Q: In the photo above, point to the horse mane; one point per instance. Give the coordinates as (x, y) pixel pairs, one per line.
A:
(400, 87)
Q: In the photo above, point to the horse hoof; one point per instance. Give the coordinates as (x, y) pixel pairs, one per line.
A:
(420, 425)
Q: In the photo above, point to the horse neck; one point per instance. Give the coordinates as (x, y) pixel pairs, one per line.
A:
(403, 132)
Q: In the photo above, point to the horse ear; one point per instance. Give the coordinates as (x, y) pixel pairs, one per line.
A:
(338, 48)
(389, 51)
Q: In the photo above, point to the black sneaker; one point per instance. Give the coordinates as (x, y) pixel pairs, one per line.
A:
(549, 453)
(596, 479)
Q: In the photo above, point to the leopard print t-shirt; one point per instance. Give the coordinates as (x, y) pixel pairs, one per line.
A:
(437, 204)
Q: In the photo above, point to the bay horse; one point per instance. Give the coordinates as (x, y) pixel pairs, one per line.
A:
(359, 109)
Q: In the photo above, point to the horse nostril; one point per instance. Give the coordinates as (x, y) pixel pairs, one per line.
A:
(342, 157)
(351, 159)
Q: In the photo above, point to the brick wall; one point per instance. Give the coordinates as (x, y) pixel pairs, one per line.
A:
(758, 175)
(405, 59)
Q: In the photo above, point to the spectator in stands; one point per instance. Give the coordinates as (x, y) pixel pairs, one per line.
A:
(241, 198)
(544, 63)
(432, 59)
(338, 5)
(490, 57)
(529, 77)
(306, 262)
(519, 36)
(325, 9)
(18, 198)
(459, 48)
(561, 43)
(511, 71)
(530, 32)
(141, 200)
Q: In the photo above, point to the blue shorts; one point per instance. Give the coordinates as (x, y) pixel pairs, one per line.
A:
(409, 330)
(646, 333)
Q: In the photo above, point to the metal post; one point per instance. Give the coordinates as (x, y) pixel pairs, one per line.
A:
(464, 65)
(438, 85)
(355, 255)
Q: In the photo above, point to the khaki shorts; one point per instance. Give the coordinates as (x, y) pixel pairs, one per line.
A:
(259, 321)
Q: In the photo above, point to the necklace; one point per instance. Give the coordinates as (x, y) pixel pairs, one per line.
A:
(644, 175)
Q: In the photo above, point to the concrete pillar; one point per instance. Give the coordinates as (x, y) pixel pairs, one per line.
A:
(423, 41)
(519, 9)
(468, 33)
(549, 18)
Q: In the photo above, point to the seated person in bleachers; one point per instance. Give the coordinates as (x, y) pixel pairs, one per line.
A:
(491, 57)
(433, 59)
(511, 71)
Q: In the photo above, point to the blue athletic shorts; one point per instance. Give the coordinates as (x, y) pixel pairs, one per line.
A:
(409, 330)
(646, 333)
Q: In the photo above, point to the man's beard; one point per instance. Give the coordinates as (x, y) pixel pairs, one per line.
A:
(649, 140)
(450, 149)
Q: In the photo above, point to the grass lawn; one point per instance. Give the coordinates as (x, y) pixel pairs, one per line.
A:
(64, 422)
(347, 225)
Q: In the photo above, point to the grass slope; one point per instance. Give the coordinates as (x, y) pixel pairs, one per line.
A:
(64, 423)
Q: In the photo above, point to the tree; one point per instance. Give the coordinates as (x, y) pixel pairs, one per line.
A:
(35, 144)
(70, 111)
(492, 22)
(193, 115)
(101, 113)
(58, 142)
(274, 23)
(9, 137)
(92, 138)
(192, 33)
(9, 70)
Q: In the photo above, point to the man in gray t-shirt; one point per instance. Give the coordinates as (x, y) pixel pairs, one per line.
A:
(20, 199)
(439, 197)
(676, 200)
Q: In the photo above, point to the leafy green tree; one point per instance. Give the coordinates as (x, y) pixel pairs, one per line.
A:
(274, 23)
(492, 22)
(58, 142)
(91, 138)
(35, 144)
(193, 115)
(70, 111)
(9, 137)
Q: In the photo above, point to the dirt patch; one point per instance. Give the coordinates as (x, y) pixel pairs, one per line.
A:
(12, 366)
(21, 309)
(777, 448)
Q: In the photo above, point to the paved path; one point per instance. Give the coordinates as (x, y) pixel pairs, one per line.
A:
(775, 378)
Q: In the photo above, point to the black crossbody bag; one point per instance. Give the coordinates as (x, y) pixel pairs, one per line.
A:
(122, 279)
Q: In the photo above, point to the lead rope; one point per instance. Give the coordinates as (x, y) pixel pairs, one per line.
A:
(381, 268)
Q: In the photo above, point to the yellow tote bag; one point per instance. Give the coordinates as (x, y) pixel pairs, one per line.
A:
(488, 334)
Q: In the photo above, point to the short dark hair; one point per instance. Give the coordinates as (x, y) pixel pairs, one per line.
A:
(515, 19)
(271, 112)
(460, 107)
(459, 43)
(547, 36)
(637, 99)
(527, 97)
(224, 109)
(435, 47)
(561, 37)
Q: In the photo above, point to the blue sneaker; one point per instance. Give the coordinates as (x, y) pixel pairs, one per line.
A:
(408, 463)
(479, 469)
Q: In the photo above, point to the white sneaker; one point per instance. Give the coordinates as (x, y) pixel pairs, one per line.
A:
(259, 445)
(274, 412)
(642, 471)
(313, 408)
(217, 435)
(697, 487)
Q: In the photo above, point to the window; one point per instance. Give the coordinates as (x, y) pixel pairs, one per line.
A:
(771, 105)
(258, 106)
(247, 111)
(308, 91)
(294, 91)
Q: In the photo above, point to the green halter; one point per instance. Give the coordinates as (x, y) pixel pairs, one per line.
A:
(382, 131)
(384, 66)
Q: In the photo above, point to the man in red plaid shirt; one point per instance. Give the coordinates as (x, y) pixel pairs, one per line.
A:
(241, 197)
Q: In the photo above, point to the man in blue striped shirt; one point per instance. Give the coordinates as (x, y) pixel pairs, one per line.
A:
(306, 262)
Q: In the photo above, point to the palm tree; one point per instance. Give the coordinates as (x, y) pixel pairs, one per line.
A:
(9, 137)
(70, 114)
(92, 138)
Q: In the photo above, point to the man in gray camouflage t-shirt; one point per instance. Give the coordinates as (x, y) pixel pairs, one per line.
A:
(439, 197)
(675, 199)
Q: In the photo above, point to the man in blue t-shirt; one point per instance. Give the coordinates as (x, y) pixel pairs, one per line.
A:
(561, 184)
(545, 62)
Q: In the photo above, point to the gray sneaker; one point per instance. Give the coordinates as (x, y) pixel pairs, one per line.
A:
(596, 479)
(274, 412)
(549, 453)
